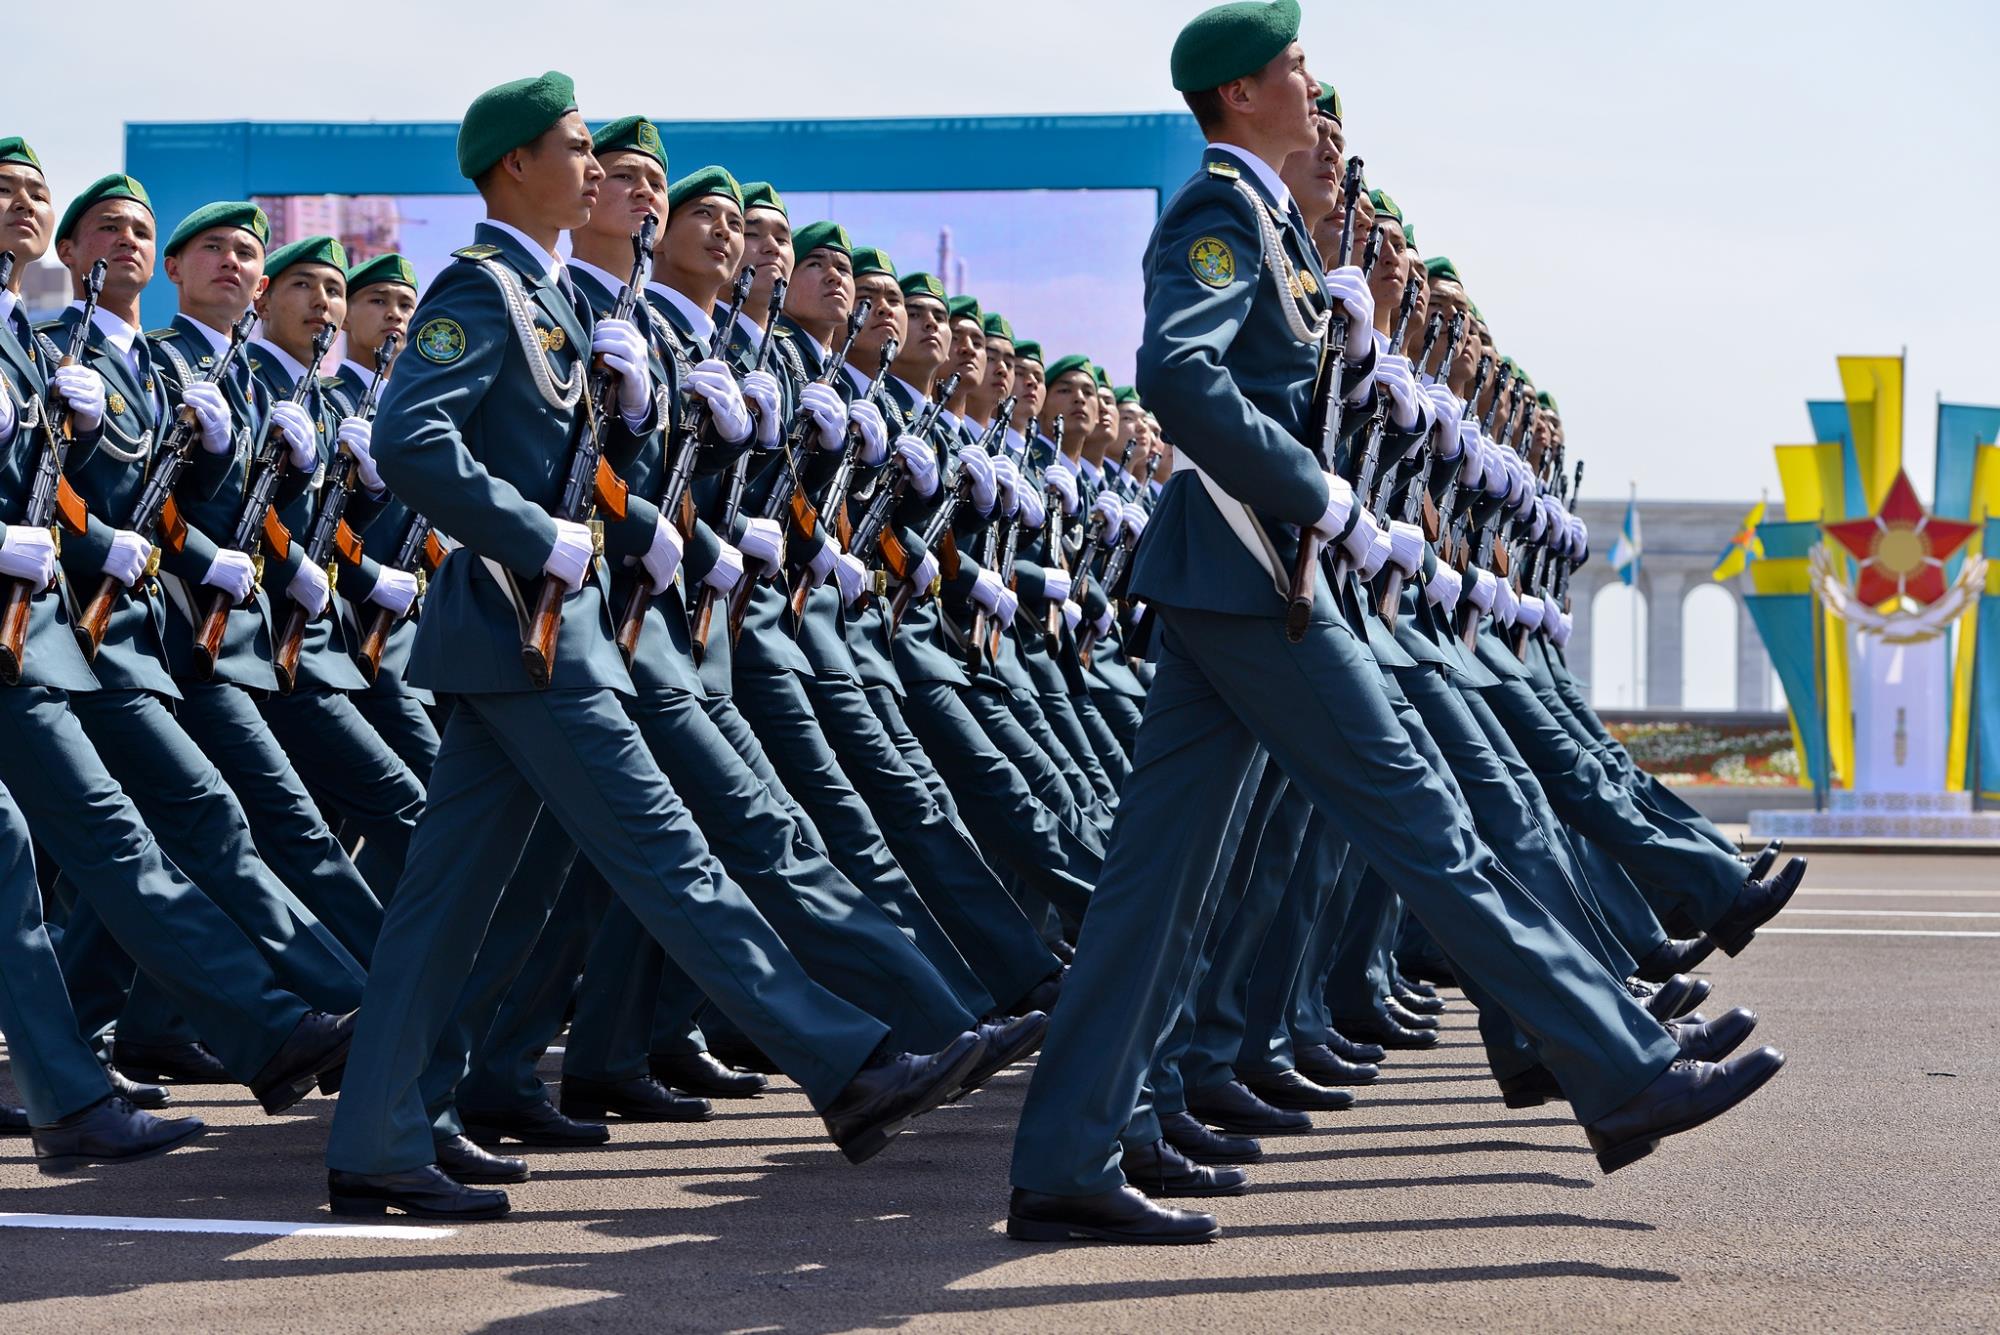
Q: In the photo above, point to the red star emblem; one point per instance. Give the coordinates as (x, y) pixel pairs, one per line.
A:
(1902, 550)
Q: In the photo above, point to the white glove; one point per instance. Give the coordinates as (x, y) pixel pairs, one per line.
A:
(357, 438)
(1348, 286)
(1006, 606)
(867, 419)
(1484, 589)
(1108, 510)
(1394, 377)
(394, 590)
(126, 560)
(231, 571)
(1062, 482)
(978, 466)
(1406, 546)
(1530, 614)
(82, 389)
(919, 460)
(986, 590)
(29, 554)
(1034, 512)
(1104, 619)
(1472, 473)
(1377, 555)
(1499, 479)
(1339, 504)
(211, 410)
(1134, 520)
(1361, 537)
(663, 558)
(1540, 524)
(716, 384)
(1579, 536)
(1007, 476)
(309, 589)
(301, 439)
(829, 414)
(853, 577)
(761, 540)
(571, 555)
(760, 391)
(624, 351)
(1444, 587)
(822, 564)
(727, 571)
(1450, 412)
(1559, 633)
(926, 572)
(1506, 606)
(1056, 584)
(1071, 613)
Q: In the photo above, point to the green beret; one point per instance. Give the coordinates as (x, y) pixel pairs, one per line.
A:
(1507, 365)
(310, 250)
(1076, 361)
(701, 182)
(1125, 394)
(389, 268)
(502, 119)
(1385, 207)
(868, 259)
(1328, 101)
(762, 195)
(1475, 310)
(1027, 350)
(1409, 234)
(965, 308)
(1231, 41)
(821, 236)
(631, 134)
(921, 284)
(1102, 376)
(1442, 270)
(238, 213)
(1548, 401)
(115, 186)
(996, 326)
(15, 149)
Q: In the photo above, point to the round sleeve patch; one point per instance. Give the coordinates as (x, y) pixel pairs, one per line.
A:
(1213, 262)
(441, 341)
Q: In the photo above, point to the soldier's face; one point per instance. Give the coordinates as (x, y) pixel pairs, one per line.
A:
(968, 351)
(1073, 398)
(887, 319)
(1107, 414)
(27, 214)
(999, 379)
(634, 185)
(705, 238)
(767, 244)
(119, 232)
(929, 331)
(1313, 176)
(1029, 390)
(1448, 300)
(1391, 267)
(559, 173)
(221, 269)
(1284, 101)
(302, 300)
(822, 290)
(375, 312)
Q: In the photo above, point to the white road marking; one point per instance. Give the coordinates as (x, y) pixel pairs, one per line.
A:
(1860, 931)
(258, 1227)
(1894, 913)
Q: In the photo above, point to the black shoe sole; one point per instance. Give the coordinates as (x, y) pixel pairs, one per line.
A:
(480, 1134)
(706, 1091)
(366, 1207)
(1345, 1081)
(1529, 1098)
(59, 1164)
(281, 1098)
(1292, 1105)
(1039, 1230)
(1236, 1128)
(1191, 1193)
(1736, 943)
(1614, 1157)
(487, 1179)
(152, 1075)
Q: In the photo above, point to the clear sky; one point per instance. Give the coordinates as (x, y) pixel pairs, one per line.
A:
(1675, 216)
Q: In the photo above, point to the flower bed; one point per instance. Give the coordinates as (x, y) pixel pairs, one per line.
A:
(1691, 753)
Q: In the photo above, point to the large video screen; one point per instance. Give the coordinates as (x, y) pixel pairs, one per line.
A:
(1061, 265)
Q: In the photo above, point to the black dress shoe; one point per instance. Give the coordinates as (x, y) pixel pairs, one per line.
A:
(181, 1063)
(150, 1097)
(1676, 997)
(329, 1081)
(1124, 1215)
(1402, 982)
(701, 1073)
(1322, 1065)
(13, 1121)
(1387, 1033)
(1232, 1107)
(1042, 996)
(1672, 957)
(1352, 1050)
(1185, 1133)
(1418, 1004)
(1712, 1040)
(1006, 1043)
(1294, 1093)
(638, 1099)
(1406, 1017)
(463, 1161)
(1756, 904)
(744, 1055)
(1684, 1096)
(1160, 1170)
(317, 1045)
(1767, 858)
(109, 1131)
(886, 1093)
(537, 1124)
(1530, 1088)
(421, 1193)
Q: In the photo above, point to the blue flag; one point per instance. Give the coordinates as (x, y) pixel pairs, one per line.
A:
(1626, 550)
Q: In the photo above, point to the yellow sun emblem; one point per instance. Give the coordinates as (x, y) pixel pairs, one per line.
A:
(1213, 262)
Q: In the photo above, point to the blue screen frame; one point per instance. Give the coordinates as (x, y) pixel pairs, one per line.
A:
(185, 164)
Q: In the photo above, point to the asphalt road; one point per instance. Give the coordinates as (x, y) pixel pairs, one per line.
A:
(1859, 1190)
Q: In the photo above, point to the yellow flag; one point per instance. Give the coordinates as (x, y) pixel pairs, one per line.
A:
(1744, 548)
(1874, 390)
